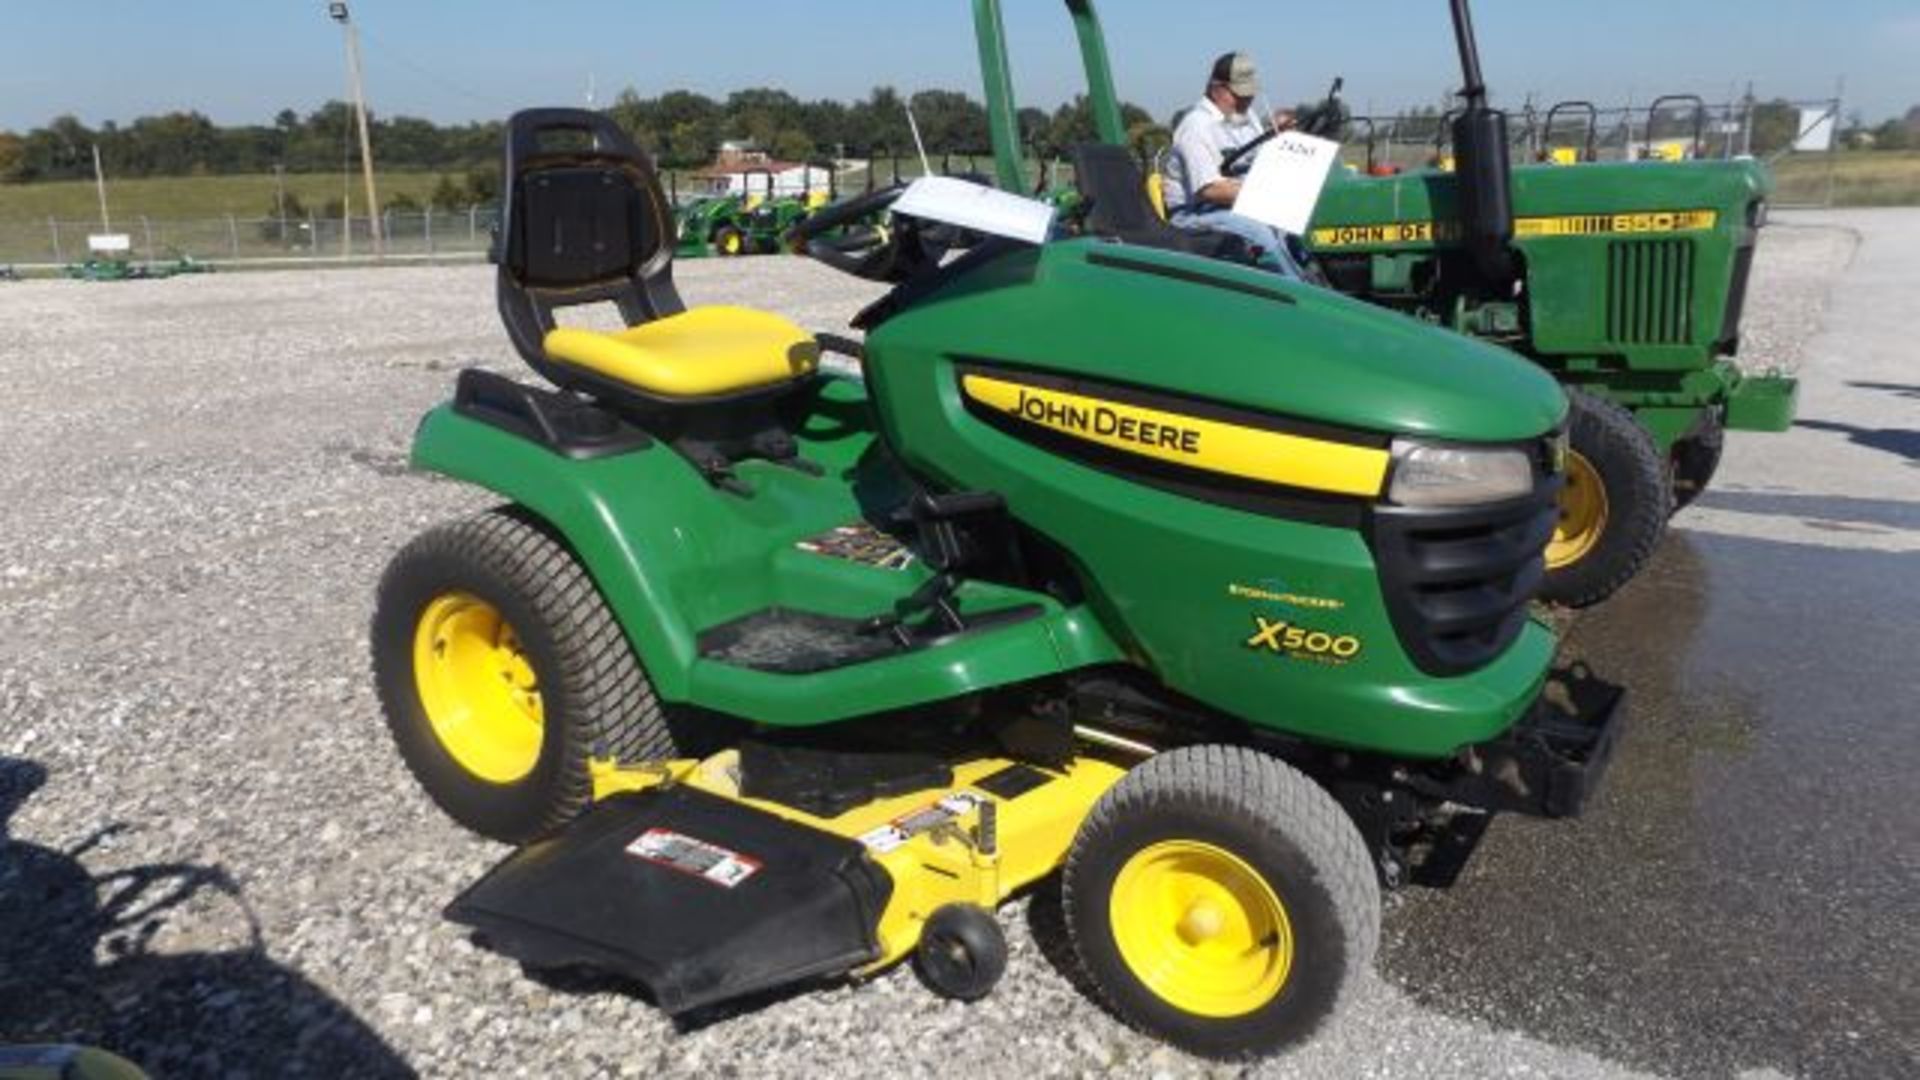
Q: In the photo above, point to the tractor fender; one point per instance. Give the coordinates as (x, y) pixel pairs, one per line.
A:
(629, 547)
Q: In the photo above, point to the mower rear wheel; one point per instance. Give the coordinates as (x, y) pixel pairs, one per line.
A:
(1613, 508)
(962, 952)
(503, 674)
(1222, 901)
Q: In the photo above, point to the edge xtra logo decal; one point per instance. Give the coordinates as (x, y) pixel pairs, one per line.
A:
(1284, 638)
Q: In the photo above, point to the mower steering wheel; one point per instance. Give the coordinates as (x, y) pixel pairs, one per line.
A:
(870, 251)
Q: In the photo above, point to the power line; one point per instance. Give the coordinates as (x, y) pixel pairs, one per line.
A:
(393, 55)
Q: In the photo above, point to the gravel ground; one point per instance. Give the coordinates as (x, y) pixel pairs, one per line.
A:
(214, 862)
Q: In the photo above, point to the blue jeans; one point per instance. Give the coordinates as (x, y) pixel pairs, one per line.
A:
(1271, 242)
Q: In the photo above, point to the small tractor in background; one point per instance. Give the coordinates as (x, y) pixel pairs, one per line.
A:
(110, 257)
(1624, 280)
(1580, 150)
(709, 225)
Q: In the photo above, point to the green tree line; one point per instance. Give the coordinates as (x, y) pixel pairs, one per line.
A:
(681, 128)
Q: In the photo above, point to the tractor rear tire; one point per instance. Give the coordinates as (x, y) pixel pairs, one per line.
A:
(1614, 507)
(1221, 901)
(1695, 459)
(503, 674)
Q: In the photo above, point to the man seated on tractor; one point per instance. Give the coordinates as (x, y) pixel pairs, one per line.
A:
(1198, 195)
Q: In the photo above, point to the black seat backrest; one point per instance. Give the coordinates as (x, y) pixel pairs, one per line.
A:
(1111, 180)
(583, 221)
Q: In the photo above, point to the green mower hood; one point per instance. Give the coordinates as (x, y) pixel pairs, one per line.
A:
(1232, 335)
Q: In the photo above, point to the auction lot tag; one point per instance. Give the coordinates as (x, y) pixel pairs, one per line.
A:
(1284, 184)
(696, 858)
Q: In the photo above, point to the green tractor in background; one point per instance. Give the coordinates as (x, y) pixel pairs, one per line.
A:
(747, 222)
(1625, 280)
(710, 225)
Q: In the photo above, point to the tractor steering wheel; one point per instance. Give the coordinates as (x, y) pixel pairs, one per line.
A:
(864, 248)
(1323, 120)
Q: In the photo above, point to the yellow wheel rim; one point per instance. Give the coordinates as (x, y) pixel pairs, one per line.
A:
(1201, 929)
(732, 244)
(479, 689)
(1583, 514)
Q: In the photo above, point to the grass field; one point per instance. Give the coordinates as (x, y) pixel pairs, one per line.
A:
(176, 197)
(1884, 178)
(244, 196)
(1877, 178)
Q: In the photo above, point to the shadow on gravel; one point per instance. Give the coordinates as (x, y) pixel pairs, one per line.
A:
(75, 966)
(1900, 442)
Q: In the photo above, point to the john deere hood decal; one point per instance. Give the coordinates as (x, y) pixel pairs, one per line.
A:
(1196, 442)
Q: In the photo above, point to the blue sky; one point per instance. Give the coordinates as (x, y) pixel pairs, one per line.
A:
(243, 60)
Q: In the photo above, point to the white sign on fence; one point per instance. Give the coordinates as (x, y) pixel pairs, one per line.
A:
(109, 243)
(1816, 131)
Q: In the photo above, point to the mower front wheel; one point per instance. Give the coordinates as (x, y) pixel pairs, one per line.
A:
(503, 674)
(1221, 901)
(1613, 508)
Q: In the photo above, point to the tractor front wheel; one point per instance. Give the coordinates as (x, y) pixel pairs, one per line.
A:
(1221, 901)
(503, 674)
(729, 242)
(1614, 505)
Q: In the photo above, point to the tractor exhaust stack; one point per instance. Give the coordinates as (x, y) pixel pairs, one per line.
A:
(1480, 159)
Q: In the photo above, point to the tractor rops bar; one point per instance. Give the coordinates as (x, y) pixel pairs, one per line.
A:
(996, 76)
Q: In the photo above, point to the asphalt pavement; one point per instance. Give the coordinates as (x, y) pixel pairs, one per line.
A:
(212, 860)
(1745, 894)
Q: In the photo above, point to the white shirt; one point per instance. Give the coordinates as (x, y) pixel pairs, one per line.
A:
(1204, 137)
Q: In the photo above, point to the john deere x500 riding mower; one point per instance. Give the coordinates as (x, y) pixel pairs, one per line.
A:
(1625, 280)
(780, 672)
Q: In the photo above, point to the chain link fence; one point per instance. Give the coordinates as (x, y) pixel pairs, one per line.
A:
(423, 236)
(1799, 138)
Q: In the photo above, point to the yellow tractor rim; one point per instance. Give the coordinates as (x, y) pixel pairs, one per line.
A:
(731, 244)
(478, 687)
(1201, 928)
(1583, 514)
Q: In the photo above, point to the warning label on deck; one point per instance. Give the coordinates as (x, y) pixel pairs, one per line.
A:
(926, 819)
(696, 858)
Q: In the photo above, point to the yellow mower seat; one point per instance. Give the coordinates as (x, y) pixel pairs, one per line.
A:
(702, 352)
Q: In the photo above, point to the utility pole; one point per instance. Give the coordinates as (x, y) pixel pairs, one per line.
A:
(100, 185)
(337, 10)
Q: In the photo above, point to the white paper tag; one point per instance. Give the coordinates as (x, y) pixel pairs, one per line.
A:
(978, 207)
(1286, 179)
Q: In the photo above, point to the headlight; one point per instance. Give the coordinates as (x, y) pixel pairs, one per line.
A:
(1439, 474)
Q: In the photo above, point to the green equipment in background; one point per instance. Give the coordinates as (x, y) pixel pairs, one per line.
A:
(1625, 280)
(780, 673)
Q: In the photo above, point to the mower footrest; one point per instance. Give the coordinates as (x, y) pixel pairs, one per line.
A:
(698, 898)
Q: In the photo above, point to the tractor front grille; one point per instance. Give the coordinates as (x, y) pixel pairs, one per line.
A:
(1457, 580)
(1650, 292)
